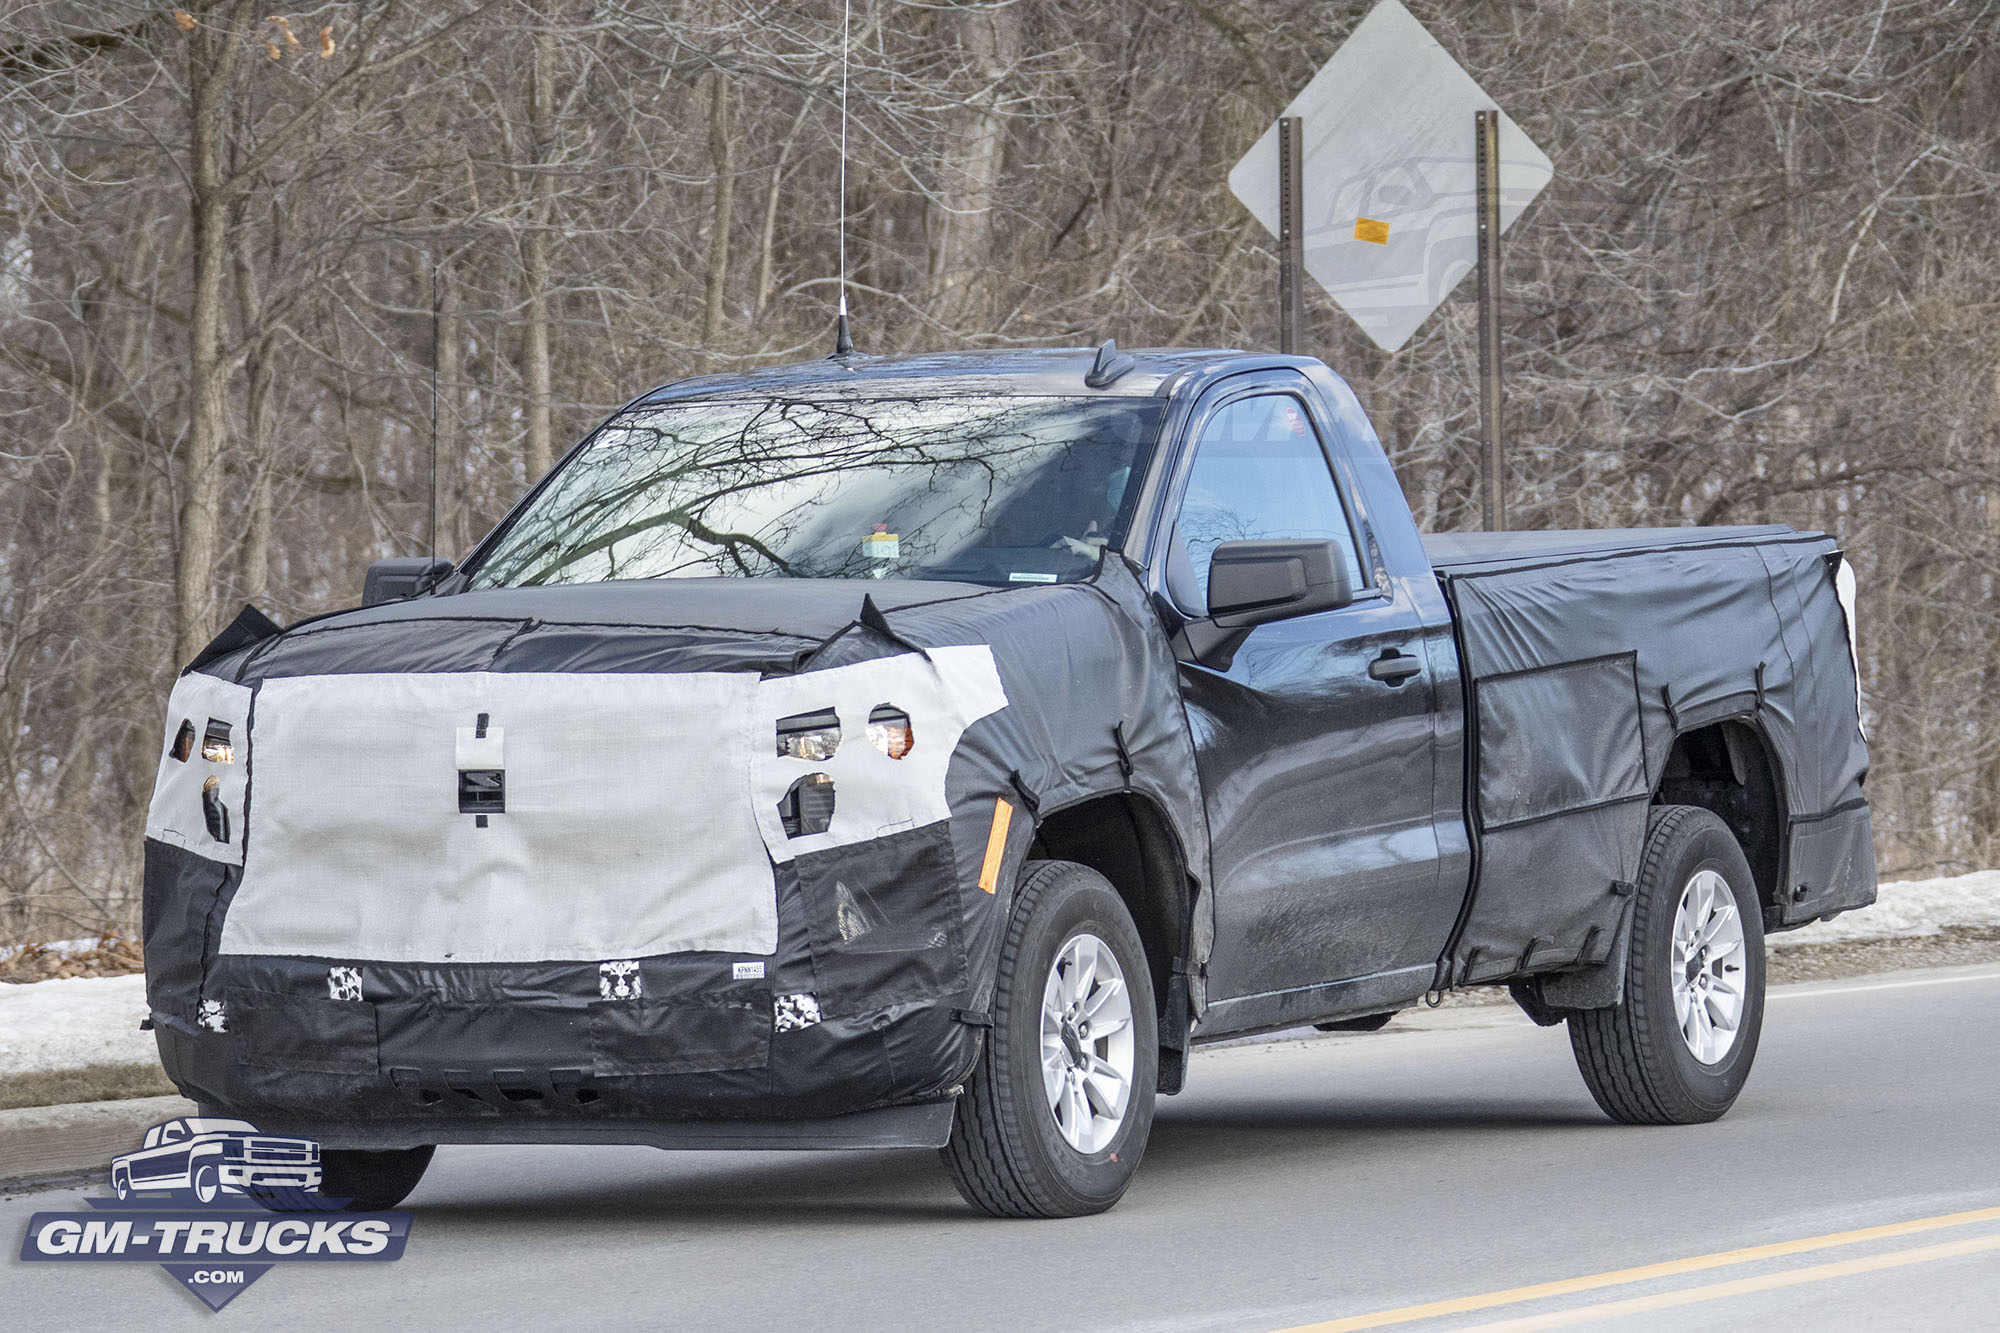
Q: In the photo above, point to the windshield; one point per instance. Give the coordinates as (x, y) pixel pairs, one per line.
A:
(978, 489)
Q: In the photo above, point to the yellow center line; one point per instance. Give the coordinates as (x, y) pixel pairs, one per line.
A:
(1646, 1272)
(1742, 1286)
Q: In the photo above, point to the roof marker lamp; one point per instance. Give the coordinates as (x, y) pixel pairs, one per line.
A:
(809, 736)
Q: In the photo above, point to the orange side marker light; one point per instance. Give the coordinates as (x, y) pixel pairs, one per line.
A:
(996, 845)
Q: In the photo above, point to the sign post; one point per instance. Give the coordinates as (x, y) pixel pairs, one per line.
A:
(1493, 474)
(1399, 213)
(1291, 235)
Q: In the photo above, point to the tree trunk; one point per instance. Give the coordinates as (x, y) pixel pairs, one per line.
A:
(448, 363)
(767, 247)
(535, 253)
(213, 54)
(722, 158)
(963, 251)
(254, 559)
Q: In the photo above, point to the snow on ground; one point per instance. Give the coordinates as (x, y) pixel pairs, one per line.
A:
(46, 1026)
(1910, 907)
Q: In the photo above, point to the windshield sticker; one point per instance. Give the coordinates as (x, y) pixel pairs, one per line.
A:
(1030, 576)
(881, 544)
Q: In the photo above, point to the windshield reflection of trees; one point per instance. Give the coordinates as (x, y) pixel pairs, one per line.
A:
(985, 489)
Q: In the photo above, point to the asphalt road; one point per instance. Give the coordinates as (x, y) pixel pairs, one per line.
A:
(1295, 1182)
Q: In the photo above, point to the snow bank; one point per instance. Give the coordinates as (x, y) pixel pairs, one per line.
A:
(1910, 907)
(47, 1026)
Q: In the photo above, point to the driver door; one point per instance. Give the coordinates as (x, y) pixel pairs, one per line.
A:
(1317, 773)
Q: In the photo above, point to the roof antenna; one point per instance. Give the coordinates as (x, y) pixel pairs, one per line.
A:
(843, 338)
(437, 355)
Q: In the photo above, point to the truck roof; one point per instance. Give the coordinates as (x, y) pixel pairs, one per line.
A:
(1037, 370)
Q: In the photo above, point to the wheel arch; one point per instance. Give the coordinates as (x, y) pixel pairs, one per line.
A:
(1128, 838)
(1731, 769)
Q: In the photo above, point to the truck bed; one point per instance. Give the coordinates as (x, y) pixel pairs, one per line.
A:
(1586, 656)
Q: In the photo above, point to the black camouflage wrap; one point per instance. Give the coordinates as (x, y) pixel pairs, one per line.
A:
(1586, 655)
(835, 1024)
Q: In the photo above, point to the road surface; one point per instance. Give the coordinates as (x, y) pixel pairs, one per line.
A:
(1338, 1181)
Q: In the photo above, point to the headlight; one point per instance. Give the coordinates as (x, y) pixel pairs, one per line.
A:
(889, 731)
(215, 744)
(809, 736)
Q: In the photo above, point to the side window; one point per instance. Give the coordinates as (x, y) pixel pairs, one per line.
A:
(1258, 473)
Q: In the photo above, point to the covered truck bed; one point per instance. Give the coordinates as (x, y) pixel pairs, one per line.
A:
(1585, 655)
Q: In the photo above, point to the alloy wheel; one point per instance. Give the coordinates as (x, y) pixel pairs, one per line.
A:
(1088, 1055)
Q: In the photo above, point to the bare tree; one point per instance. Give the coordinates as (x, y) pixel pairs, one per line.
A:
(240, 247)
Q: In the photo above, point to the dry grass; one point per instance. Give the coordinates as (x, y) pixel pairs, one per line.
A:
(95, 1083)
(110, 956)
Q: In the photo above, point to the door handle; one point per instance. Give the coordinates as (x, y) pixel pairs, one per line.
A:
(1393, 668)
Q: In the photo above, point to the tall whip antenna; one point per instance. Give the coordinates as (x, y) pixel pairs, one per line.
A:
(437, 355)
(843, 338)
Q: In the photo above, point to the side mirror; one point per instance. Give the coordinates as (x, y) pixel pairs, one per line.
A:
(1253, 583)
(402, 576)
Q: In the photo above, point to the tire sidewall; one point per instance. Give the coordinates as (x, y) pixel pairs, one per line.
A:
(1711, 1088)
(1081, 903)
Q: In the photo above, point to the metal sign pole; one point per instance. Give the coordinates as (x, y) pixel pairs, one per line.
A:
(1493, 476)
(1291, 235)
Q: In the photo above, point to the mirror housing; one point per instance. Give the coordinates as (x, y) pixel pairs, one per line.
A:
(401, 577)
(1255, 582)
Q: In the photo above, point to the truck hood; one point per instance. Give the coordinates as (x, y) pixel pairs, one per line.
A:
(652, 625)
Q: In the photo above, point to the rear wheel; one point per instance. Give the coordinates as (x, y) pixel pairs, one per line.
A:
(352, 1180)
(1678, 1049)
(207, 1182)
(1055, 1117)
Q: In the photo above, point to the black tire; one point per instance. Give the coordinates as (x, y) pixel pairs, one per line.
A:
(1632, 1054)
(352, 1180)
(1007, 1156)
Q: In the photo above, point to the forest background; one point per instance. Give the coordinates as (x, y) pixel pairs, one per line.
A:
(239, 246)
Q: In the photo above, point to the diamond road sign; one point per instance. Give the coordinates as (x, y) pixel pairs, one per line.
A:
(1390, 189)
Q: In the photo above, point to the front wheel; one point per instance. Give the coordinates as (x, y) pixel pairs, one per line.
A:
(1678, 1049)
(1056, 1114)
